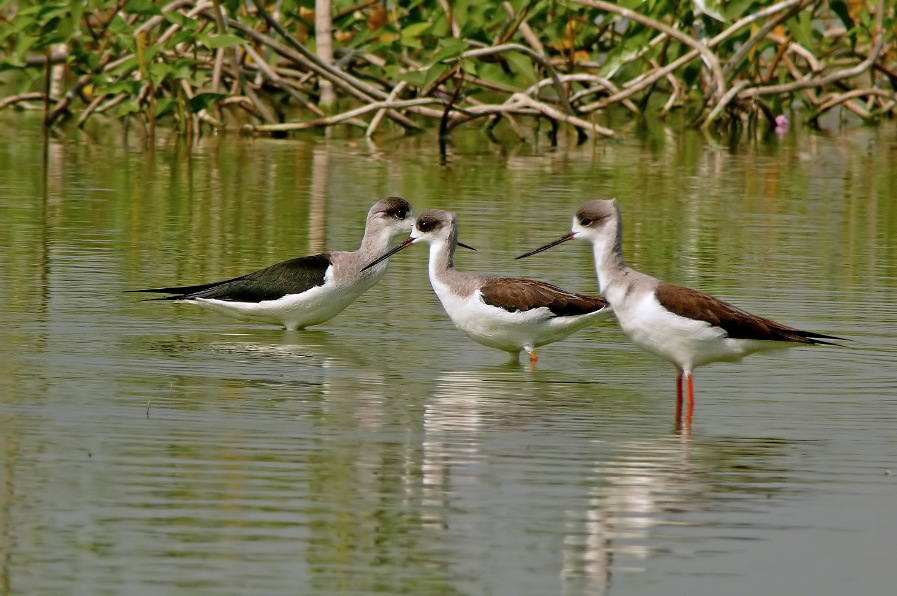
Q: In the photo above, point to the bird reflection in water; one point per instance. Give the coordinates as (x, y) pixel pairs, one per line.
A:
(633, 491)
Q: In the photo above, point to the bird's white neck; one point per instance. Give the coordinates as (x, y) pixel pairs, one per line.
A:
(441, 260)
(609, 263)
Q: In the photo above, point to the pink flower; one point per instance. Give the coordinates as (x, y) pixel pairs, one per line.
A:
(781, 124)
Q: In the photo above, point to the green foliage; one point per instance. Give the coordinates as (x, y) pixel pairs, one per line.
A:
(140, 51)
(142, 7)
(213, 42)
(449, 49)
(204, 101)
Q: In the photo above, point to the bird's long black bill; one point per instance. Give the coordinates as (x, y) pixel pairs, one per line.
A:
(468, 247)
(549, 245)
(389, 253)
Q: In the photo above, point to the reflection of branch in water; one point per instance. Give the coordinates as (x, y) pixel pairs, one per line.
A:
(317, 207)
(9, 455)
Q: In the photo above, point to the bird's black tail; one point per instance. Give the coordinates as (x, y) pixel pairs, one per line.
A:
(181, 292)
(820, 338)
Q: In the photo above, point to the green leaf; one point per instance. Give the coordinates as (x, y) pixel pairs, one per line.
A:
(802, 28)
(123, 32)
(413, 32)
(434, 72)
(409, 6)
(735, 9)
(494, 74)
(522, 65)
(440, 29)
(128, 65)
(231, 6)
(11, 63)
(141, 7)
(198, 79)
(451, 48)
(624, 51)
(469, 67)
(159, 72)
(495, 19)
(690, 74)
(181, 20)
(226, 40)
(204, 101)
(26, 12)
(7, 31)
(411, 42)
(710, 8)
(391, 71)
(30, 78)
(362, 39)
(91, 60)
(416, 78)
(182, 36)
(51, 32)
(151, 52)
(164, 105)
(127, 108)
(23, 44)
(129, 87)
(182, 68)
(76, 11)
(50, 12)
(839, 7)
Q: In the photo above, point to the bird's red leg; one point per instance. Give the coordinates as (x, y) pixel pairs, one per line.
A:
(533, 358)
(691, 400)
(678, 400)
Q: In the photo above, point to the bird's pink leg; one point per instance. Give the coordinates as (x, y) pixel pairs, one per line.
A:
(691, 400)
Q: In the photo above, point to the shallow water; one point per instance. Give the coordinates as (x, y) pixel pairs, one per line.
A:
(159, 448)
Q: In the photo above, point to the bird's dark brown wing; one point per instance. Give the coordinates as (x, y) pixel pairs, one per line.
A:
(519, 295)
(288, 277)
(737, 324)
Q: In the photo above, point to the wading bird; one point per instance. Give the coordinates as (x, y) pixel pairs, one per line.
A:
(684, 326)
(505, 313)
(307, 290)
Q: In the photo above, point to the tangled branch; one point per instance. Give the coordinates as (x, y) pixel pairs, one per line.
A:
(199, 64)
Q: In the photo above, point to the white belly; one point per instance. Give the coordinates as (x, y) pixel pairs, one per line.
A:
(685, 342)
(297, 311)
(508, 331)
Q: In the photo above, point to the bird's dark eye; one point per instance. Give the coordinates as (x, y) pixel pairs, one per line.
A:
(400, 214)
(425, 226)
(585, 222)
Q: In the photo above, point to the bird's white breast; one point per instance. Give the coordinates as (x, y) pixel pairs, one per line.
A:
(505, 330)
(685, 342)
(311, 307)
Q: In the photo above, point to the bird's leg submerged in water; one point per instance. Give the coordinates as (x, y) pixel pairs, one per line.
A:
(533, 357)
(690, 403)
(678, 400)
